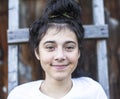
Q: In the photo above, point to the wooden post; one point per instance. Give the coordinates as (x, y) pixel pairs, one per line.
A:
(13, 49)
(98, 17)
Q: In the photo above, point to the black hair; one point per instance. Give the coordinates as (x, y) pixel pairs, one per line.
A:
(58, 12)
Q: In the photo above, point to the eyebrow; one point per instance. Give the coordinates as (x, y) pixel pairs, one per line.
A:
(67, 42)
(70, 42)
(49, 42)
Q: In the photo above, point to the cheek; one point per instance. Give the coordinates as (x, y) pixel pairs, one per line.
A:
(74, 58)
(75, 55)
(44, 61)
(45, 58)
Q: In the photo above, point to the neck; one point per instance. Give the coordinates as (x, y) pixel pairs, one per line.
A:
(56, 89)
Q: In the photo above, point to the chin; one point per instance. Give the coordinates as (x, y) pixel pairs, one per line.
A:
(61, 77)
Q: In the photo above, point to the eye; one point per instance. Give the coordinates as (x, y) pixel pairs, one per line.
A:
(69, 48)
(50, 48)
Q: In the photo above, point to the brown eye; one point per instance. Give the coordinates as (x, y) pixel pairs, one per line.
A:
(69, 48)
(50, 48)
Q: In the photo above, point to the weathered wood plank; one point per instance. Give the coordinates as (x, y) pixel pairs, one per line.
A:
(18, 36)
(12, 67)
(13, 49)
(91, 32)
(98, 17)
(96, 32)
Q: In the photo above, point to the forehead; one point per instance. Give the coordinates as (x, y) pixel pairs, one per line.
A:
(59, 34)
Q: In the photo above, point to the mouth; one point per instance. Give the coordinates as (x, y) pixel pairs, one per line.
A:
(59, 66)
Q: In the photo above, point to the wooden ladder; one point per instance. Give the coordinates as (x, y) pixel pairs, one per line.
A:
(96, 31)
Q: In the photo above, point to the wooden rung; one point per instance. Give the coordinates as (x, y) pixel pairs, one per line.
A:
(91, 32)
(96, 31)
(18, 36)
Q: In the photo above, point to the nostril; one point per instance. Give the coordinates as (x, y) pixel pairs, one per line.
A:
(60, 56)
(59, 59)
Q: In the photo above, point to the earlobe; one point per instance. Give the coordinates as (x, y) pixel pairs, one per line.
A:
(37, 54)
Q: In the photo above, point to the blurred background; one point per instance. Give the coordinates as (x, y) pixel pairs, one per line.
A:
(29, 69)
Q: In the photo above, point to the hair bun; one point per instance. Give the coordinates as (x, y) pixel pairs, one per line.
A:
(63, 8)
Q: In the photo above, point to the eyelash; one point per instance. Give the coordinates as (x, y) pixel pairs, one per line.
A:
(69, 48)
(52, 48)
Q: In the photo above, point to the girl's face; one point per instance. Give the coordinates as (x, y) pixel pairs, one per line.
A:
(58, 53)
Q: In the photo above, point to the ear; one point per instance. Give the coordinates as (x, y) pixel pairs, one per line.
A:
(37, 54)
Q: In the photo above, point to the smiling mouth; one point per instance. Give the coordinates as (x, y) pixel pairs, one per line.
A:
(61, 66)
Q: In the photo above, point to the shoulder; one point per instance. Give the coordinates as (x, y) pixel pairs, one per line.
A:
(86, 81)
(90, 87)
(27, 86)
(25, 89)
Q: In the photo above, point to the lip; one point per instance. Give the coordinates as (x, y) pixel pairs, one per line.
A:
(60, 66)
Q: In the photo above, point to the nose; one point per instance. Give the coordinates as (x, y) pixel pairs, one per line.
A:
(60, 54)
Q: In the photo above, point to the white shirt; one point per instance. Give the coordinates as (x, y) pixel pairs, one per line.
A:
(83, 88)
